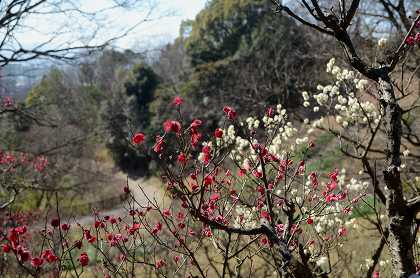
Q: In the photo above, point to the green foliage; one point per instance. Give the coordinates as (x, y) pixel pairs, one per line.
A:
(9, 138)
(48, 91)
(128, 112)
(238, 53)
(109, 66)
(221, 28)
(55, 94)
(186, 28)
(139, 88)
(245, 55)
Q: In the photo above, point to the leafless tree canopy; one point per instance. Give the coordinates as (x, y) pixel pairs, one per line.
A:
(78, 26)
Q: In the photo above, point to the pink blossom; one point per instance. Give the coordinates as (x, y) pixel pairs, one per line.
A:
(171, 125)
(266, 215)
(314, 180)
(214, 197)
(158, 147)
(207, 232)
(230, 112)
(196, 124)
(270, 112)
(166, 213)
(218, 133)
(40, 163)
(157, 228)
(8, 101)
(208, 180)
(177, 101)
(160, 263)
(137, 138)
(182, 159)
(410, 40)
(37, 262)
(342, 231)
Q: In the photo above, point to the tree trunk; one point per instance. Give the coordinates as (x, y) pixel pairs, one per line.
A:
(400, 219)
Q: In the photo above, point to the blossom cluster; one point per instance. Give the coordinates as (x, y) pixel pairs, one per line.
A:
(240, 177)
(14, 161)
(7, 102)
(341, 99)
(414, 37)
(246, 173)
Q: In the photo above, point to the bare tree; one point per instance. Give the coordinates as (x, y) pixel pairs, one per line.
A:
(74, 27)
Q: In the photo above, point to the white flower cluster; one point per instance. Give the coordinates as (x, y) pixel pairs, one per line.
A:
(329, 218)
(228, 137)
(327, 92)
(354, 185)
(357, 186)
(356, 112)
(300, 141)
(369, 262)
(382, 42)
(305, 96)
(361, 84)
(245, 218)
(253, 123)
(330, 65)
(340, 98)
(284, 133)
(352, 223)
(338, 72)
(318, 123)
(275, 125)
(270, 123)
(322, 261)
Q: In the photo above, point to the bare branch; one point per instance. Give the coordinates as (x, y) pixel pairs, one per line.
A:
(350, 14)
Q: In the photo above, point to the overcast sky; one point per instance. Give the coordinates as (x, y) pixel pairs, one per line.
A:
(161, 27)
(164, 28)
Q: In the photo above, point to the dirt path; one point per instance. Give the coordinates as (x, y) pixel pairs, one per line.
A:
(152, 187)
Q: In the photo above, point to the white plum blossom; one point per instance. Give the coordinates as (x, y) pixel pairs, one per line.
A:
(357, 186)
(322, 261)
(246, 218)
(305, 95)
(382, 42)
(341, 97)
(330, 64)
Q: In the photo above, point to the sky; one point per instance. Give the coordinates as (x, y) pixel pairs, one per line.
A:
(150, 23)
(163, 28)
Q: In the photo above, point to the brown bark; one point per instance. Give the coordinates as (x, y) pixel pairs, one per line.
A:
(400, 217)
(299, 270)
